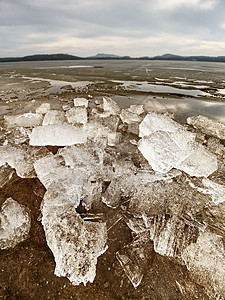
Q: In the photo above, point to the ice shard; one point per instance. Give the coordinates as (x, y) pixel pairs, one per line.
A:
(15, 224)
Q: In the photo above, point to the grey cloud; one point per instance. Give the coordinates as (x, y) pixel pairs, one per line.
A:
(25, 23)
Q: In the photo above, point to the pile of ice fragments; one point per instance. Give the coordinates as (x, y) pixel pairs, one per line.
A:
(171, 176)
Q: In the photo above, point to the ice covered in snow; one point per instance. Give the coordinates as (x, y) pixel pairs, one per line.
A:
(23, 120)
(57, 135)
(208, 126)
(15, 224)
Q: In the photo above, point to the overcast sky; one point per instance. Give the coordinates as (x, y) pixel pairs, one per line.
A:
(122, 27)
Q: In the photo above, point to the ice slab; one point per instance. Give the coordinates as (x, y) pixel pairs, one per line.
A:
(43, 108)
(208, 126)
(155, 122)
(24, 163)
(23, 120)
(15, 224)
(77, 115)
(171, 235)
(53, 117)
(166, 145)
(137, 109)
(113, 138)
(80, 102)
(206, 261)
(6, 173)
(78, 172)
(8, 154)
(134, 258)
(216, 190)
(199, 163)
(110, 106)
(129, 117)
(76, 244)
(50, 168)
(57, 135)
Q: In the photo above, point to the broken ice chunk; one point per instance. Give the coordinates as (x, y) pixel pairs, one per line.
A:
(129, 117)
(6, 173)
(113, 138)
(8, 154)
(134, 258)
(154, 122)
(216, 190)
(111, 197)
(137, 109)
(199, 162)
(171, 234)
(77, 115)
(24, 163)
(24, 120)
(43, 108)
(54, 117)
(75, 244)
(57, 135)
(161, 151)
(166, 150)
(15, 224)
(110, 106)
(206, 261)
(80, 102)
(50, 168)
(208, 126)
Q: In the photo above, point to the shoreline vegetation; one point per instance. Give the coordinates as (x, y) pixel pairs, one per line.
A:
(101, 56)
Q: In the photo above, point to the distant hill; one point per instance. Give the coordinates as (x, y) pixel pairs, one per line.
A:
(189, 58)
(107, 56)
(41, 57)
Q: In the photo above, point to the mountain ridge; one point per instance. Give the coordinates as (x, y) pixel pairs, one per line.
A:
(102, 56)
